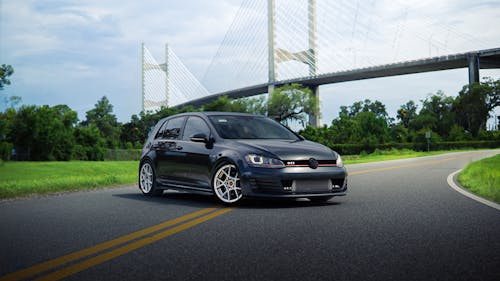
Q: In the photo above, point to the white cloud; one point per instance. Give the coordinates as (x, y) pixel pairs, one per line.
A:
(76, 51)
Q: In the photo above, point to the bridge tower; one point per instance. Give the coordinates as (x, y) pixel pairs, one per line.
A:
(147, 65)
(308, 56)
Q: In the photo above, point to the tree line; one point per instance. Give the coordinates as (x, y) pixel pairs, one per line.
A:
(447, 119)
(41, 133)
(32, 132)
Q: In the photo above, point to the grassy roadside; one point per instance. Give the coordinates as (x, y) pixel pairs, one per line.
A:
(483, 178)
(24, 178)
(19, 179)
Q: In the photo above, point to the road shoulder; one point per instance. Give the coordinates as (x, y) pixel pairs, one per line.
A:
(453, 183)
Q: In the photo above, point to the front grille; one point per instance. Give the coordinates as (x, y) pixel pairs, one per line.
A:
(275, 186)
(312, 186)
(268, 183)
(269, 186)
(305, 163)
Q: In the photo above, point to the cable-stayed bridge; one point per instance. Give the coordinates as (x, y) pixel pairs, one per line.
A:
(314, 42)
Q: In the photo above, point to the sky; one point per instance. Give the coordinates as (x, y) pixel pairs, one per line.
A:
(75, 52)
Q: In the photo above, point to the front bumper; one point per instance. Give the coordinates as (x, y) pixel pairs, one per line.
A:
(293, 182)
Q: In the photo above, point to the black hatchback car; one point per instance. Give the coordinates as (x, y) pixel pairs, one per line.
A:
(234, 155)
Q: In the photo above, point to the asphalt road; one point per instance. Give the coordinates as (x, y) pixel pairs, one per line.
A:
(400, 221)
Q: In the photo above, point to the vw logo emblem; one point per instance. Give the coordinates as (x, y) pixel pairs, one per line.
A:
(313, 163)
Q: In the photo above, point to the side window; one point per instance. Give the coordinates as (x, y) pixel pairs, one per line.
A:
(170, 129)
(195, 125)
(159, 134)
(173, 128)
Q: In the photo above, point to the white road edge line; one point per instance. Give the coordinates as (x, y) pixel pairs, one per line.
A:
(452, 184)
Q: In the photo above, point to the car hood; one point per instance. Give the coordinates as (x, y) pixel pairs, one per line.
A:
(290, 150)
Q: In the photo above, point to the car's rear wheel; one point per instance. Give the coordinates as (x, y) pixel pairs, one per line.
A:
(320, 199)
(226, 184)
(147, 180)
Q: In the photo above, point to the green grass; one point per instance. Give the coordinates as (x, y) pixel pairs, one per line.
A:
(393, 154)
(25, 178)
(483, 178)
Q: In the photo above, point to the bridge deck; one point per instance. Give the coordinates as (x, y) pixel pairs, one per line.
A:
(489, 58)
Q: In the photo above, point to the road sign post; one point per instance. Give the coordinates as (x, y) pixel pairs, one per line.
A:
(428, 137)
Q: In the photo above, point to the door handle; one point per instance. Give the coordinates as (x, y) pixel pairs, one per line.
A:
(159, 145)
(178, 147)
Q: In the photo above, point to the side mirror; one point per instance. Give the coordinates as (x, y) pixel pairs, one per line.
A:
(200, 137)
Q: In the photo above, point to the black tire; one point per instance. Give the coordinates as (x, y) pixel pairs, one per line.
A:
(227, 189)
(320, 199)
(147, 180)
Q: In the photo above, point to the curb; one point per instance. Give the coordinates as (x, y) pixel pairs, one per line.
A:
(458, 188)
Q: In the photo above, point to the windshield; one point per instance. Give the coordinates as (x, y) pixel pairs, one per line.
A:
(250, 127)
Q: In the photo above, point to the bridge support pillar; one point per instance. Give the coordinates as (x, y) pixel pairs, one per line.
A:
(143, 76)
(315, 119)
(473, 68)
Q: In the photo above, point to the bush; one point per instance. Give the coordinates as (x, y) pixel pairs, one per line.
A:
(5, 150)
(354, 149)
(86, 153)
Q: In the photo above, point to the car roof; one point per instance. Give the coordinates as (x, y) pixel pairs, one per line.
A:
(207, 114)
(212, 113)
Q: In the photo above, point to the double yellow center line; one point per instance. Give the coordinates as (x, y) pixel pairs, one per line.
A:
(132, 242)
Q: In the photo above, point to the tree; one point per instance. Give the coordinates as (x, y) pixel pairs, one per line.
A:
(131, 133)
(324, 135)
(225, 104)
(436, 115)
(363, 122)
(367, 105)
(90, 145)
(286, 104)
(43, 132)
(244, 105)
(474, 104)
(6, 123)
(103, 118)
(5, 71)
(256, 105)
(292, 102)
(407, 112)
(400, 134)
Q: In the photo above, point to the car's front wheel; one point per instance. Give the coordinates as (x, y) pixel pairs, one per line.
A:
(226, 183)
(147, 180)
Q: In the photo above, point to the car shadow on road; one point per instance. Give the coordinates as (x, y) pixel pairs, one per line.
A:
(254, 203)
(203, 201)
(173, 198)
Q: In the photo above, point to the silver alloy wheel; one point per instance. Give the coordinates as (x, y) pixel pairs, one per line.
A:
(146, 178)
(226, 184)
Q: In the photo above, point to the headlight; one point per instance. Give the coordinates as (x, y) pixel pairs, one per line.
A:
(339, 161)
(262, 161)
